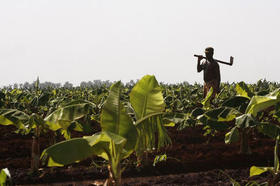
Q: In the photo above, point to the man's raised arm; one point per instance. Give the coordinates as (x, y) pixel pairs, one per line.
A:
(199, 66)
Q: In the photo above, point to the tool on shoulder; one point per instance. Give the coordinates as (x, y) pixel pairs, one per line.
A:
(226, 63)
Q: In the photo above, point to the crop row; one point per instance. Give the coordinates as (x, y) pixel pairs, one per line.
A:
(133, 119)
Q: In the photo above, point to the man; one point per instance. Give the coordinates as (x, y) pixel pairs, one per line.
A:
(211, 72)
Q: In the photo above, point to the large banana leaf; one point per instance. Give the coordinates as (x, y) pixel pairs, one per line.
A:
(232, 136)
(238, 102)
(245, 121)
(146, 97)
(104, 144)
(63, 117)
(14, 117)
(147, 101)
(243, 90)
(206, 102)
(259, 103)
(222, 114)
(115, 119)
(269, 129)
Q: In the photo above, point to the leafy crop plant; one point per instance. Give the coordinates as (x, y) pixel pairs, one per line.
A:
(120, 135)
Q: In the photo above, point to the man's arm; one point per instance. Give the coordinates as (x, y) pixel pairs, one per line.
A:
(218, 73)
(199, 66)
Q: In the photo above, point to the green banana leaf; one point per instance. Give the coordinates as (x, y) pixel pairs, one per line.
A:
(35, 120)
(206, 102)
(115, 119)
(63, 117)
(238, 102)
(5, 121)
(222, 114)
(147, 100)
(232, 136)
(259, 103)
(218, 125)
(147, 117)
(146, 97)
(245, 121)
(254, 170)
(197, 111)
(4, 176)
(104, 144)
(14, 117)
(243, 90)
(269, 129)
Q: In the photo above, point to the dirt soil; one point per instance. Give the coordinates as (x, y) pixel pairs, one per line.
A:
(192, 159)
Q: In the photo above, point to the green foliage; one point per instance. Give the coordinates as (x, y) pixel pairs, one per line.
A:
(119, 136)
(245, 110)
(14, 117)
(259, 103)
(274, 171)
(207, 100)
(147, 101)
(146, 97)
(139, 114)
(238, 102)
(115, 119)
(254, 170)
(64, 116)
(159, 158)
(223, 114)
(5, 177)
(109, 144)
(243, 90)
(232, 136)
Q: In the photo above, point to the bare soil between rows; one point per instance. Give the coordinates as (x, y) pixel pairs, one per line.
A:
(192, 159)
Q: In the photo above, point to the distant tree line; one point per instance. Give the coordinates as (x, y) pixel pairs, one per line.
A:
(67, 84)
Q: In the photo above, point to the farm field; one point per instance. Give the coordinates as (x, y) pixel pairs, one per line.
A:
(196, 142)
(190, 148)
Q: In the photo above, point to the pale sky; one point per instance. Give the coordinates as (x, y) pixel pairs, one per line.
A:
(85, 40)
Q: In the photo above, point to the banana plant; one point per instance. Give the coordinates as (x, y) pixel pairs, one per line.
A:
(34, 123)
(26, 124)
(148, 106)
(68, 116)
(250, 119)
(121, 133)
(244, 111)
(114, 143)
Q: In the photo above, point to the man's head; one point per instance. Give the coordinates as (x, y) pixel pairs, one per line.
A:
(209, 52)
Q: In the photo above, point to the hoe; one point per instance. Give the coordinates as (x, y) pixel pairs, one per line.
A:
(230, 61)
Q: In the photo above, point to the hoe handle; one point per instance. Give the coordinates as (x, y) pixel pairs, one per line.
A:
(230, 63)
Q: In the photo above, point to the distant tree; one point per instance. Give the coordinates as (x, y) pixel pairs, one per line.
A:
(16, 86)
(26, 85)
(67, 84)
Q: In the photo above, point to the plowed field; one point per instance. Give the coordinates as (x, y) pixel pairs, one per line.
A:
(193, 159)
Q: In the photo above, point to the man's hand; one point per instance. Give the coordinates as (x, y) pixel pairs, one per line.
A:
(199, 58)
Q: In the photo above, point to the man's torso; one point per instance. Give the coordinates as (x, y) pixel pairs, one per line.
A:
(210, 71)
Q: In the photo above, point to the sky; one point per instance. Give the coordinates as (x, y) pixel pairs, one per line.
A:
(86, 40)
